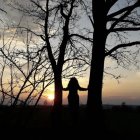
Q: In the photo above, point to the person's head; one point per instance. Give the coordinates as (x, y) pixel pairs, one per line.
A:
(73, 82)
(73, 79)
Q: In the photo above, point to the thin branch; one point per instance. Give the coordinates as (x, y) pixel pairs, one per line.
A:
(77, 58)
(37, 4)
(81, 37)
(123, 16)
(125, 29)
(3, 11)
(91, 21)
(41, 36)
(122, 46)
(127, 21)
(113, 75)
(12, 96)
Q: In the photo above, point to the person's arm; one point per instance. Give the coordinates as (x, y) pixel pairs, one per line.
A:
(65, 89)
(82, 89)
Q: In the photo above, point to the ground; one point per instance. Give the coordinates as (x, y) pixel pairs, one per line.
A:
(120, 122)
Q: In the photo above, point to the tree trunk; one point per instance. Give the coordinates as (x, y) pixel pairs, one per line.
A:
(94, 101)
(57, 107)
(58, 89)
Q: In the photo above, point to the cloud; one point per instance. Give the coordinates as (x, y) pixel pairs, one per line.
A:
(14, 16)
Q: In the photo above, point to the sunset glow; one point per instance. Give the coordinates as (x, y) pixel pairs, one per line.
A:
(50, 97)
(19, 45)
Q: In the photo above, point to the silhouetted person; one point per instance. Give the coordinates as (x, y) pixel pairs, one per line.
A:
(73, 97)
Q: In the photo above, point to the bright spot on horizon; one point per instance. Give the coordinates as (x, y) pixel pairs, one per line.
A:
(50, 97)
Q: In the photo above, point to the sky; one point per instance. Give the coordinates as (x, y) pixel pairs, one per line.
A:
(127, 89)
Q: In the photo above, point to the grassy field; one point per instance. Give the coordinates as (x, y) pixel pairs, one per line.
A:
(119, 121)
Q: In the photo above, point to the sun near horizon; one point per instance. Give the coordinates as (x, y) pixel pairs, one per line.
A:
(50, 97)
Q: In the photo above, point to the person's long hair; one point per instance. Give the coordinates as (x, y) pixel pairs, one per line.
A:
(73, 83)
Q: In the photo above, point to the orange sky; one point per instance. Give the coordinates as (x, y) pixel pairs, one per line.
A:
(127, 90)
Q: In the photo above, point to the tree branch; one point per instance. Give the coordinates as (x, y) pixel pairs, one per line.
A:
(65, 35)
(77, 58)
(125, 29)
(12, 96)
(61, 11)
(81, 37)
(121, 11)
(127, 21)
(37, 4)
(129, 10)
(3, 11)
(39, 35)
(109, 4)
(48, 46)
(122, 46)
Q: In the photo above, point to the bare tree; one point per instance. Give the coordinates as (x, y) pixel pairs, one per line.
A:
(111, 19)
(26, 68)
(57, 22)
